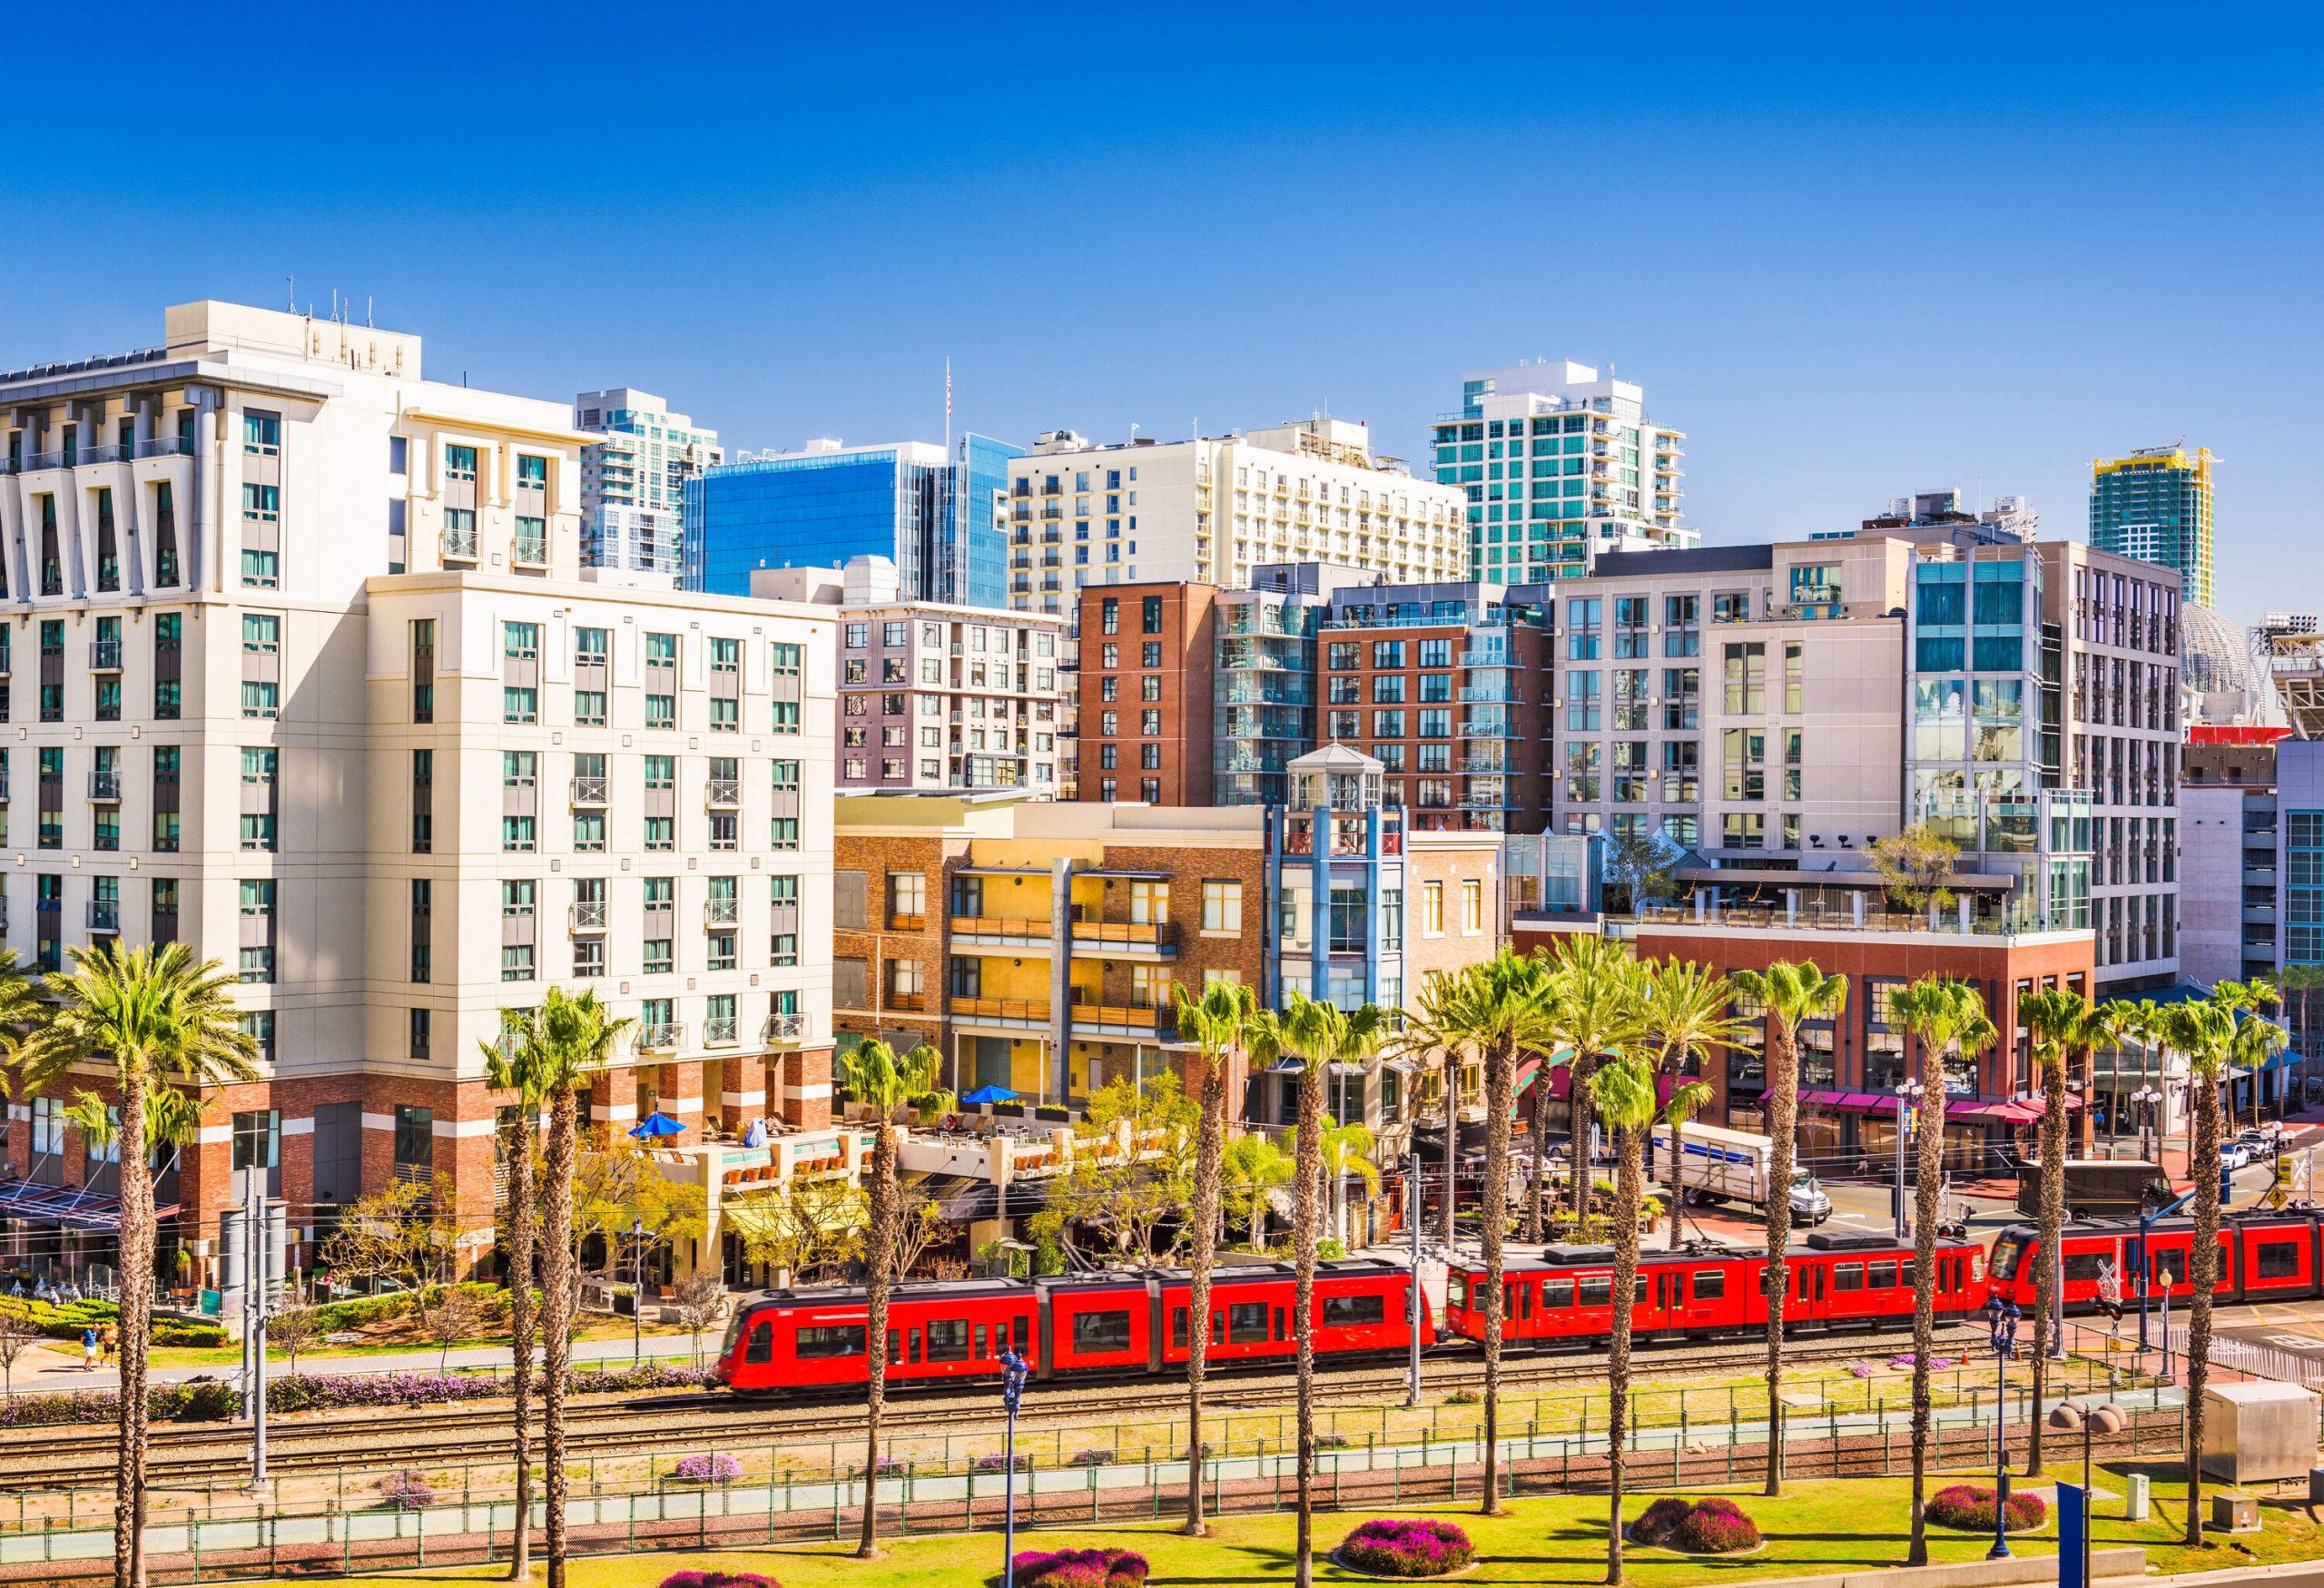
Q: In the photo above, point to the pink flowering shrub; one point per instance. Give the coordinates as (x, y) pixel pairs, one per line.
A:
(1077, 1568)
(1715, 1526)
(1971, 1507)
(407, 1491)
(1655, 1527)
(1404, 1548)
(718, 1468)
(718, 1579)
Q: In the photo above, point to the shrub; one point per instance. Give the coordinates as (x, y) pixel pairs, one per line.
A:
(1715, 1527)
(1408, 1549)
(995, 1461)
(887, 1466)
(718, 1579)
(1091, 1458)
(717, 1468)
(1077, 1568)
(1333, 1441)
(1971, 1508)
(1656, 1525)
(407, 1491)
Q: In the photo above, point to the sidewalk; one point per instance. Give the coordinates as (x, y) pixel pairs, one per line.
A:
(40, 1372)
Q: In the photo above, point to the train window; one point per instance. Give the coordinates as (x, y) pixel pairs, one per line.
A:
(1100, 1331)
(1247, 1323)
(1178, 1329)
(947, 1340)
(1282, 1329)
(984, 1343)
(1480, 1293)
(2277, 1259)
(1217, 1328)
(912, 1347)
(1598, 1290)
(1710, 1284)
(1847, 1275)
(1354, 1311)
(762, 1345)
(1556, 1293)
(1638, 1290)
(895, 1347)
(1880, 1276)
(821, 1340)
(1017, 1333)
(2083, 1265)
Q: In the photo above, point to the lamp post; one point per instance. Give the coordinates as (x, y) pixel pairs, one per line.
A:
(1908, 1097)
(1014, 1370)
(2001, 1316)
(2144, 1099)
(1412, 1173)
(638, 1292)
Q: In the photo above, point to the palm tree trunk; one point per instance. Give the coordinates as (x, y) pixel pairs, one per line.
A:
(1541, 1154)
(136, 1327)
(1677, 1176)
(1452, 1151)
(1783, 1110)
(2088, 1056)
(1500, 1063)
(557, 1318)
(2203, 1273)
(879, 1260)
(1630, 1191)
(2049, 1309)
(1210, 1160)
(522, 1243)
(1577, 1145)
(1307, 1166)
(1929, 1173)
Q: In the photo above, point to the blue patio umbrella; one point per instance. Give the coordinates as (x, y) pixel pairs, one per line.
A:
(991, 1094)
(655, 1126)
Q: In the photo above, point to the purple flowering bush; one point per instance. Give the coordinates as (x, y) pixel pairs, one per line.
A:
(714, 1468)
(1971, 1507)
(407, 1490)
(1077, 1568)
(1402, 1548)
(1659, 1520)
(313, 1392)
(1715, 1526)
(718, 1579)
(1092, 1459)
(996, 1462)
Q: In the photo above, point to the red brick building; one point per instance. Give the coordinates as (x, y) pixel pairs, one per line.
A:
(1147, 655)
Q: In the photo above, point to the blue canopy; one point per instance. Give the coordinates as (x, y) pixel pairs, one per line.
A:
(991, 1094)
(655, 1126)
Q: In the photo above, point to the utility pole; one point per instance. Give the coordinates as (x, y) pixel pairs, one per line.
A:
(1412, 1174)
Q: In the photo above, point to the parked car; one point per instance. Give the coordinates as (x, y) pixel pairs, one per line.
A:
(2234, 1155)
(2260, 1143)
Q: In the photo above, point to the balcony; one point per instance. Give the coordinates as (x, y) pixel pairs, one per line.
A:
(105, 916)
(105, 655)
(459, 545)
(1492, 694)
(723, 793)
(588, 915)
(1120, 1018)
(667, 1037)
(1009, 1011)
(164, 447)
(532, 551)
(1003, 933)
(105, 787)
(906, 1002)
(788, 1027)
(1140, 938)
(721, 911)
(719, 1032)
(898, 922)
(589, 791)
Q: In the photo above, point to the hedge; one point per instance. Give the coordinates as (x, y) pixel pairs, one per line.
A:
(64, 1320)
(211, 1399)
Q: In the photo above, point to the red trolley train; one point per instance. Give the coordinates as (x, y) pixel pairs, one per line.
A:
(2263, 1256)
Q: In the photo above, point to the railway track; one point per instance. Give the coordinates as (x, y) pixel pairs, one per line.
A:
(425, 1436)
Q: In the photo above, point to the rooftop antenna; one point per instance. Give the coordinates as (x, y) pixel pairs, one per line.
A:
(367, 311)
(334, 302)
(290, 293)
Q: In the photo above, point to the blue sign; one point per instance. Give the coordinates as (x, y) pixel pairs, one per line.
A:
(2073, 1535)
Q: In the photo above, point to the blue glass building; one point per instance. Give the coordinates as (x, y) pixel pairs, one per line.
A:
(939, 522)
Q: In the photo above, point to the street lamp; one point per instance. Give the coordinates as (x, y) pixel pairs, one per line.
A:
(2001, 1316)
(1908, 1098)
(638, 1292)
(1014, 1370)
(2144, 1100)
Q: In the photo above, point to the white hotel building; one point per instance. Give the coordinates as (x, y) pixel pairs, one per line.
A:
(305, 672)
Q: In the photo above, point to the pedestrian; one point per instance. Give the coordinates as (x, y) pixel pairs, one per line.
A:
(89, 1348)
(109, 1342)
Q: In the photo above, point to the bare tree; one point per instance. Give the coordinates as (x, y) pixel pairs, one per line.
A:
(294, 1329)
(17, 1336)
(699, 1301)
(392, 1237)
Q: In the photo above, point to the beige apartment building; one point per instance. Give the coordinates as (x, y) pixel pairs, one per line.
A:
(308, 675)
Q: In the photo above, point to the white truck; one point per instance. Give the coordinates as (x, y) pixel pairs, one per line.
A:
(1716, 1164)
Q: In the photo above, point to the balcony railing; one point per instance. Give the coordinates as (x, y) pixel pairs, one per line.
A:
(532, 549)
(1112, 1014)
(994, 926)
(786, 1027)
(902, 922)
(665, 1037)
(718, 1033)
(104, 787)
(164, 447)
(590, 916)
(105, 916)
(1036, 1011)
(1160, 934)
(459, 545)
(589, 791)
(723, 793)
(721, 911)
(907, 1002)
(105, 655)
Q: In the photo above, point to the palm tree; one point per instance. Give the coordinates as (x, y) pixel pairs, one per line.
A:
(153, 1016)
(2204, 1031)
(1622, 1089)
(575, 1039)
(2301, 982)
(1598, 1005)
(1347, 1149)
(1788, 993)
(2058, 1021)
(516, 1064)
(1215, 1022)
(876, 1078)
(1435, 1035)
(1942, 1013)
(1686, 1014)
(1319, 1035)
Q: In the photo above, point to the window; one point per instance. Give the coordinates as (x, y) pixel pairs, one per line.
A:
(257, 961)
(821, 1342)
(2273, 1259)
(1472, 905)
(1710, 1284)
(1354, 1311)
(1150, 614)
(258, 1139)
(1432, 909)
(1247, 1323)
(1222, 906)
(947, 1340)
(1095, 1332)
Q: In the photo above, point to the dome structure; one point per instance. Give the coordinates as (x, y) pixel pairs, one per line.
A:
(2214, 655)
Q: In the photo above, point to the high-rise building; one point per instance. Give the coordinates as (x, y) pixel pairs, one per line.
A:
(323, 695)
(1556, 466)
(934, 697)
(2155, 505)
(1210, 509)
(939, 521)
(633, 483)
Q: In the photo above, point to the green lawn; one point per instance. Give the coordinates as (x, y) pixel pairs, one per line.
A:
(1559, 1540)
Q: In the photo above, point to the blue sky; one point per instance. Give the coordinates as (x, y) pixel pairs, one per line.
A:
(1853, 251)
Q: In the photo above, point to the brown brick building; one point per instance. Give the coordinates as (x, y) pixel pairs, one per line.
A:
(1146, 657)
